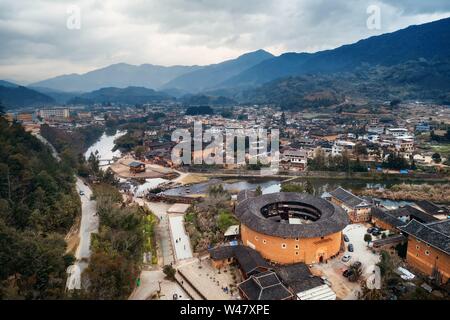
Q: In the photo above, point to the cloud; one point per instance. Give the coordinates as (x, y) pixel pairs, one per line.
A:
(36, 43)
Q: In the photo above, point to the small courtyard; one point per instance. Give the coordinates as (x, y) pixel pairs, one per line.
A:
(333, 269)
(212, 283)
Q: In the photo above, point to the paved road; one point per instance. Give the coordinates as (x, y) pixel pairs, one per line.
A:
(89, 220)
(180, 239)
(88, 225)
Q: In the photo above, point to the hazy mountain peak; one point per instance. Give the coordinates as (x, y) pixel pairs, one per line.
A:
(208, 77)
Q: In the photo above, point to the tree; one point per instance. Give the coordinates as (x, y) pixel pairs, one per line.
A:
(309, 188)
(367, 238)
(436, 157)
(395, 102)
(258, 191)
(139, 152)
(227, 114)
(225, 220)
(94, 162)
(356, 273)
(292, 187)
(360, 149)
(215, 190)
(170, 272)
(283, 119)
(109, 177)
(386, 265)
(318, 162)
(395, 161)
(110, 277)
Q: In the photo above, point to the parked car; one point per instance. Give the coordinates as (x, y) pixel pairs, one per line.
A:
(399, 289)
(81, 193)
(376, 233)
(350, 247)
(346, 239)
(346, 257)
(347, 273)
(356, 265)
(372, 230)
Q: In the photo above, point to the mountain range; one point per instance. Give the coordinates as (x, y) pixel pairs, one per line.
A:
(426, 41)
(213, 76)
(128, 95)
(13, 95)
(409, 59)
(119, 75)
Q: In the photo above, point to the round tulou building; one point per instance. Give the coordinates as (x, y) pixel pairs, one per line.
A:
(290, 227)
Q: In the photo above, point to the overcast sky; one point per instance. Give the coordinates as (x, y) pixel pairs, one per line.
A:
(35, 42)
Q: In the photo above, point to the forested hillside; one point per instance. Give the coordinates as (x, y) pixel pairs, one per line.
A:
(38, 205)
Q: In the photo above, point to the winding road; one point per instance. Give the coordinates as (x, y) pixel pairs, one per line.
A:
(88, 225)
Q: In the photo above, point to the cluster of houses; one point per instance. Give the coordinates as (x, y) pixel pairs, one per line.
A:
(425, 226)
(264, 281)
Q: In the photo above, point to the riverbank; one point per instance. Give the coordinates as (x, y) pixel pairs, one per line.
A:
(438, 193)
(292, 175)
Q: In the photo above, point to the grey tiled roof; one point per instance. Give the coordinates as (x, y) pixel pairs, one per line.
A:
(265, 286)
(441, 226)
(136, 164)
(413, 213)
(436, 234)
(431, 208)
(332, 218)
(348, 198)
(222, 253)
(247, 258)
(245, 194)
(298, 277)
(387, 217)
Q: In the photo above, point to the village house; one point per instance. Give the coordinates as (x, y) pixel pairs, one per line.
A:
(137, 167)
(295, 159)
(439, 212)
(398, 132)
(265, 282)
(429, 248)
(264, 286)
(357, 208)
(303, 284)
(385, 220)
(340, 146)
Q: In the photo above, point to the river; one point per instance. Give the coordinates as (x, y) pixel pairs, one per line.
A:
(274, 185)
(104, 146)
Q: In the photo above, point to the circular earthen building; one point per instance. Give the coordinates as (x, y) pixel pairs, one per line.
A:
(290, 227)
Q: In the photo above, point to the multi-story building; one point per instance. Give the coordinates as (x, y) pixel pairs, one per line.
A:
(24, 117)
(397, 132)
(357, 208)
(375, 129)
(429, 248)
(296, 158)
(56, 113)
(340, 146)
(405, 146)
